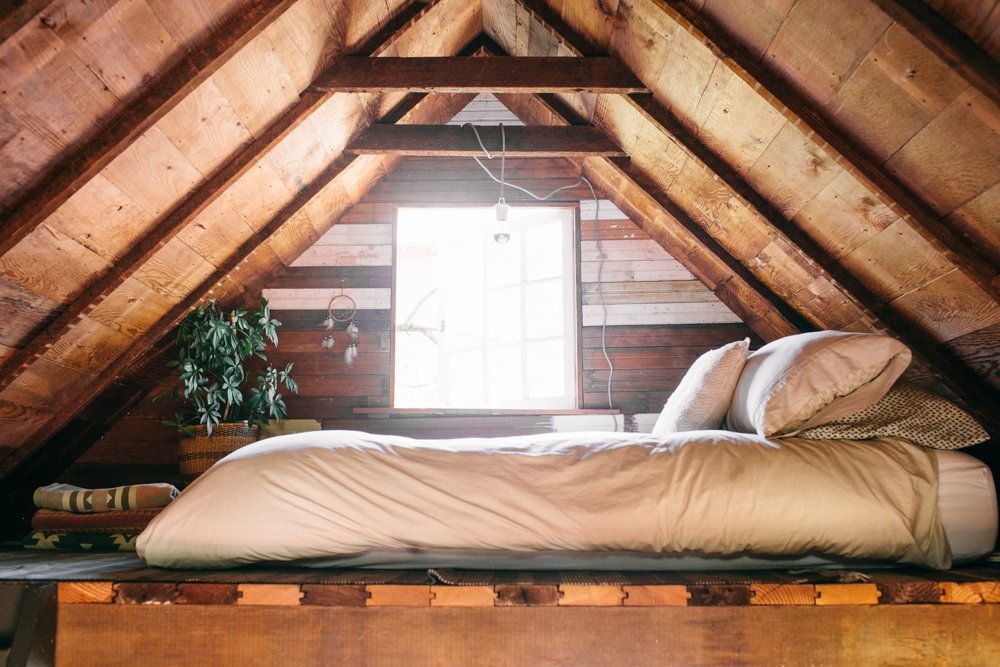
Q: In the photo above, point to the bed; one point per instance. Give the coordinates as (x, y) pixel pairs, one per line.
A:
(692, 500)
(824, 462)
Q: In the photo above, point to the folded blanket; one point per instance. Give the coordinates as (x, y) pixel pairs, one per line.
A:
(75, 499)
(123, 521)
(47, 539)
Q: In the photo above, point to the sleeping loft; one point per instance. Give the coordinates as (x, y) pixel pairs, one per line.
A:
(487, 332)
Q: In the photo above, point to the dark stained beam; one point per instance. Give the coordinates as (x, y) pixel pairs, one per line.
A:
(190, 207)
(118, 133)
(458, 141)
(849, 154)
(964, 56)
(474, 75)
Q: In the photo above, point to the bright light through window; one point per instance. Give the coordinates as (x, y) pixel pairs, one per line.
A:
(480, 324)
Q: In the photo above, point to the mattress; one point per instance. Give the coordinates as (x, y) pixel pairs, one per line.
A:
(582, 500)
(967, 501)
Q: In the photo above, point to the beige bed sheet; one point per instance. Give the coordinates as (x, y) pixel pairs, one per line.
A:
(339, 493)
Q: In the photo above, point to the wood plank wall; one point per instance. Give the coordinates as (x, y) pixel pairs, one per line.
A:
(660, 319)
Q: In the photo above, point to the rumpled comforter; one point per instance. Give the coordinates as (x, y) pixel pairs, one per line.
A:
(338, 493)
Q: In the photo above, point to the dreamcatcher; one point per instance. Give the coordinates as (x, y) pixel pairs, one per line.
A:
(342, 308)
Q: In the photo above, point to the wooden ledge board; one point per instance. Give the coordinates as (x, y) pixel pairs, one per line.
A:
(458, 141)
(354, 74)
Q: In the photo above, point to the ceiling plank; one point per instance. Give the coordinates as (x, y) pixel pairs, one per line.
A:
(95, 154)
(475, 75)
(956, 375)
(459, 141)
(17, 14)
(963, 56)
(548, 109)
(849, 154)
(192, 206)
(412, 108)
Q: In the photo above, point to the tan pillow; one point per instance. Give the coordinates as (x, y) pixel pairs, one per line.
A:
(798, 382)
(702, 397)
(911, 413)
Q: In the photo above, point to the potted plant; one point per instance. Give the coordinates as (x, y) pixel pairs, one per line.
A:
(212, 348)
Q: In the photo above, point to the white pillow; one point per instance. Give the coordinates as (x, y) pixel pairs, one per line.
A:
(802, 381)
(703, 395)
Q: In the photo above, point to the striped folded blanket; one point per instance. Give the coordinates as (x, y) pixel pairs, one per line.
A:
(124, 521)
(48, 539)
(75, 499)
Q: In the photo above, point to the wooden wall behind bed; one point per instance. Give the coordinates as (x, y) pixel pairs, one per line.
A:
(660, 320)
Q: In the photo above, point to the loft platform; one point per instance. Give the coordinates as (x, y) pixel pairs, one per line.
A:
(112, 605)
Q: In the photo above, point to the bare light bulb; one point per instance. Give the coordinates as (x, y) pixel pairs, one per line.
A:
(501, 232)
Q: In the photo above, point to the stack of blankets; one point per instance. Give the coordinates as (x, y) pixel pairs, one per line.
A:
(70, 517)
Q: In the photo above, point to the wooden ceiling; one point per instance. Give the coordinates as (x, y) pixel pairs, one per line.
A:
(818, 165)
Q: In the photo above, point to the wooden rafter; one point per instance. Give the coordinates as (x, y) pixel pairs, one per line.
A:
(474, 75)
(191, 206)
(17, 14)
(950, 44)
(549, 107)
(171, 88)
(457, 141)
(959, 378)
(849, 154)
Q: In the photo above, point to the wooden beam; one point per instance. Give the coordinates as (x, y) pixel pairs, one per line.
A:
(203, 60)
(190, 207)
(956, 375)
(954, 47)
(848, 153)
(410, 105)
(457, 141)
(550, 108)
(17, 14)
(474, 75)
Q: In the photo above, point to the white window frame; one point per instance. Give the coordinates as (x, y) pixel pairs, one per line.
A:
(570, 297)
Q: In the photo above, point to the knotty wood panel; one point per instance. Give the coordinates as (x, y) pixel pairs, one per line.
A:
(231, 634)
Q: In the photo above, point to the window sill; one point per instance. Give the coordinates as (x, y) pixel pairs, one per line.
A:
(475, 412)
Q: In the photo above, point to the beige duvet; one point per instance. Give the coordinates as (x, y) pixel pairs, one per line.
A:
(339, 493)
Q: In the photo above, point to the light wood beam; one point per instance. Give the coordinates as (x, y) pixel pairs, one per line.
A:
(956, 375)
(549, 109)
(191, 206)
(963, 56)
(124, 128)
(17, 14)
(849, 154)
(474, 75)
(457, 141)
(411, 106)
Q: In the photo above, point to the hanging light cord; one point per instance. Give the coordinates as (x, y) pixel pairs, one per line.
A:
(597, 232)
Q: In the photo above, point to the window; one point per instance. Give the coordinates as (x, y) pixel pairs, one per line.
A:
(481, 324)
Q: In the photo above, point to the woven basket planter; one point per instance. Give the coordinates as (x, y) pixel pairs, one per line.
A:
(198, 452)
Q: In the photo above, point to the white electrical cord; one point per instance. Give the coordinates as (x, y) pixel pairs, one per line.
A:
(597, 232)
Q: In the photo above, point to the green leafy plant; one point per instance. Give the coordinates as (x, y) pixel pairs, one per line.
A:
(212, 347)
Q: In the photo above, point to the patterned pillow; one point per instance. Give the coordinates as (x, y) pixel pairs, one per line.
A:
(911, 413)
(702, 397)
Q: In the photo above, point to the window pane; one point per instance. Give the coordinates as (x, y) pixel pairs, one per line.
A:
(546, 369)
(465, 308)
(544, 309)
(544, 251)
(503, 315)
(503, 262)
(464, 379)
(503, 368)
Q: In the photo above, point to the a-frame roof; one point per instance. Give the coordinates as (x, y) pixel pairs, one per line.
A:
(817, 165)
